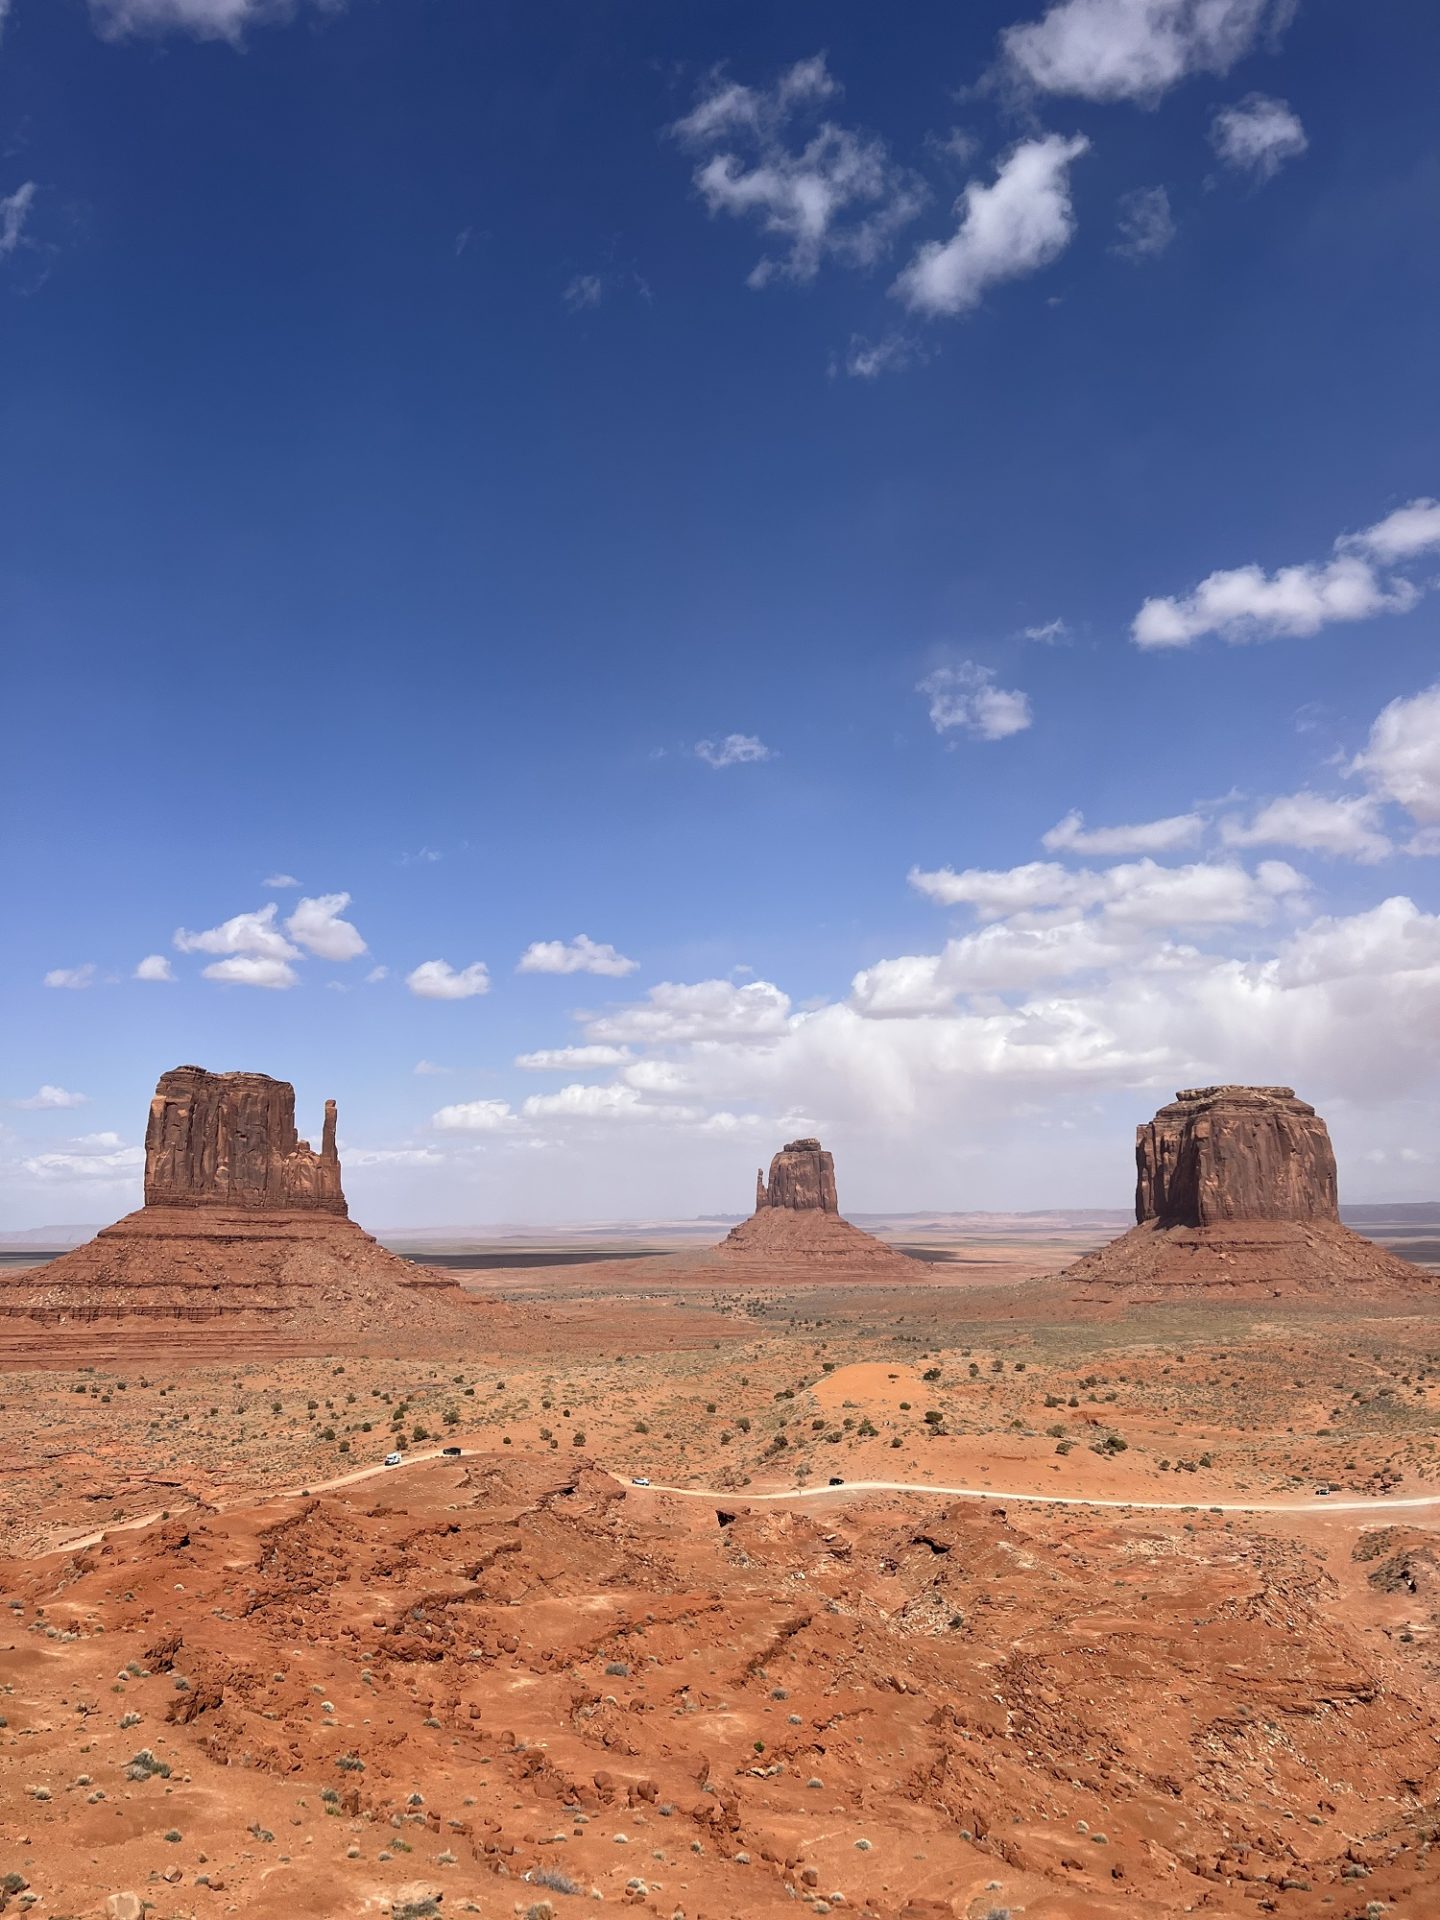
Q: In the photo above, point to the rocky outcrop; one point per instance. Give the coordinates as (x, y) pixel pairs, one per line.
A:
(1234, 1153)
(243, 1222)
(802, 1176)
(229, 1140)
(1236, 1196)
(797, 1223)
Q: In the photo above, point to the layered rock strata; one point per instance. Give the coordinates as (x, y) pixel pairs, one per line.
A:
(242, 1221)
(802, 1177)
(1236, 1193)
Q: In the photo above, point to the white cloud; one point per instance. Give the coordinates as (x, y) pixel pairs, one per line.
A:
(474, 1116)
(102, 1159)
(585, 290)
(868, 359)
(834, 194)
(1138, 894)
(317, 925)
(1402, 757)
(1134, 49)
(1246, 603)
(48, 1099)
(279, 881)
(580, 955)
(1071, 835)
(571, 1059)
(1348, 828)
(244, 933)
(1258, 136)
(376, 975)
(701, 1010)
(577, 1102)
(252, 970)
(393, 1157)
(735, 750)
(1019, 223)
(438, 980)
(965, 696)
(1410, 530)
(75, 978)
(1144, 224)
(14, 212)
(155, 966)
(202, 19)
(1049, 633)
(429, 1067)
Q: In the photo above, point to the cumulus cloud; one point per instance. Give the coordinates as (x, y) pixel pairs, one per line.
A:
(201, 19)
(254, 933)
(155, 966)
(1071, 835)
(1019, 223)
(735, 750)
(580, 955)
(825, 192)
(474, 1116)
(252, 970)
(1144, 224)
(48, 1099)
(438, 980)
(1258, 136)
(1246, 603)
(14, 212)
(1348, 828)
(571, 1059)
(1402, 756)
(700, 1010)
(966, 697)
(73, 978)
(1134, 49)
(317, 925)
(577, 1102)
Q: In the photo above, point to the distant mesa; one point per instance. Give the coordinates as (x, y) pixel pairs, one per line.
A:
(242, 1220)
(1236, 1191)
(797, 1219)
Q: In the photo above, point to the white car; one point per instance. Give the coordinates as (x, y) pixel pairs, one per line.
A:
(640, 1481)
(393, 1459)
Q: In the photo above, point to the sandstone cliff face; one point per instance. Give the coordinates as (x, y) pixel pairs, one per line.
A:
(802, 1176)
(1234, 1153)
(229, 1140)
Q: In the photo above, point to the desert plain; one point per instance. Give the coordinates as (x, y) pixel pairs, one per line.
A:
(901, 1576)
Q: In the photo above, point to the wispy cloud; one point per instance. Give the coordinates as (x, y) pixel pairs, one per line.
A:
(1144, 224)
(14, 212)
(965, 697)
(48, 1099)
(735, 750)
(831, 193)
(1258, 136)
(279, 881)
(75, 978)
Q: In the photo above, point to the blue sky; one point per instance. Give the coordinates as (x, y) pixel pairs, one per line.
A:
(728, 482)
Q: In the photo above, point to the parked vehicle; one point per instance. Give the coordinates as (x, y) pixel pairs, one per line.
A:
(393, 1459)
(640, 1481)
(451, 1453)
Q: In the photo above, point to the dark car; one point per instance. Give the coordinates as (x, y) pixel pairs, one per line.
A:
(836, 1480)
(451, 1453)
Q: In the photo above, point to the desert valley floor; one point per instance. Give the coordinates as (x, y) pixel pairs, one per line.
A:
(246, 1669)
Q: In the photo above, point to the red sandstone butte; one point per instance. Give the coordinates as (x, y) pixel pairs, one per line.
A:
(242, 1220)
(1236, 1193)
(797, 1220)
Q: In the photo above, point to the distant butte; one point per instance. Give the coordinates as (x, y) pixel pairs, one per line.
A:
(1236, 1193)
(797, 1219)
(242, 1221)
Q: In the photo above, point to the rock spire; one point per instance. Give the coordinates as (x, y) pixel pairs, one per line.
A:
(802, 1177)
